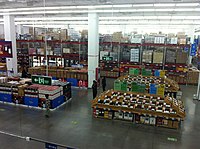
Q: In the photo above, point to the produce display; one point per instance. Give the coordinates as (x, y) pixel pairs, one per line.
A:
(139, 108)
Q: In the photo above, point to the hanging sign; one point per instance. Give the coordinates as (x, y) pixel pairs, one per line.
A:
(43, 80)
(6, 49)
(193, 50)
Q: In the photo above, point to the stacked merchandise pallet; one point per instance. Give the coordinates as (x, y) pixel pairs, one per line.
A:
(6, 92)
(22, 57)
(109, 69)
(21, 92)
(193, 77)
(55, 95)
(177, 73)
(124, 67)
(31, 97)
(73, 75)
(66, 87)
(139, 108)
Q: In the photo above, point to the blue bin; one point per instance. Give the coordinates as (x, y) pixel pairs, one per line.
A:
(57, 102)
(5, 97)
(74, 82)
(153, 89)
(157, 73)
(30, 101)
(54, 78)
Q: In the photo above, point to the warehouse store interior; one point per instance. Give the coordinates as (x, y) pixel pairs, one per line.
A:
(84, 74)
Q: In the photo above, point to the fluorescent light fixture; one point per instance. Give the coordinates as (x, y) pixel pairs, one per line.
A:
(110, 18)
(164, 5)
(187, 4)
(52, 18)
(121, 6)
(142, 5)
(53, 22)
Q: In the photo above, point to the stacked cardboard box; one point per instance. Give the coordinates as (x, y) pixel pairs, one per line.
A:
(149, 38)
(170, 56)
(53, 92)
(181, 57)
(117, 36)
(135, 57)
(193, 76)
(84, 34)
(158, 57)
(159, 39)
(147, 56)
(136, 38)
(63, 34)
(181, 38)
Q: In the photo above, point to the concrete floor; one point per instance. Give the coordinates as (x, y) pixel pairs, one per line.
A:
(73, 125)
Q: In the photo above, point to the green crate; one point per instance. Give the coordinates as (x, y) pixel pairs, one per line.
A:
(141, 88)
(134, 87)
(146, 72)
(117, 85)
(134, 71)
(124, 86)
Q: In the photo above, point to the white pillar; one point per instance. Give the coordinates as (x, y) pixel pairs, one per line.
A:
(10, 35)
(20, 30)
(93, 46)
(191, 34)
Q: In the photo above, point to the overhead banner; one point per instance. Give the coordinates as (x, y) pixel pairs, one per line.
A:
(193, 50)
(6, 49)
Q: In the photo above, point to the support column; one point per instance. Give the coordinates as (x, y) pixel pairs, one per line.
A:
(191, 35)
(20, 30)
(10, 35)
(93, 46)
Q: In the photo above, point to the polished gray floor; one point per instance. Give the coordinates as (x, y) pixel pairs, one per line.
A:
(73, 125)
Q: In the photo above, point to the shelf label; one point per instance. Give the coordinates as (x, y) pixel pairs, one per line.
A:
(43, 80)
(50, 146)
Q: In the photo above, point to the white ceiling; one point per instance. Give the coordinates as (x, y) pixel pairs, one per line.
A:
(38, 3)
(166, 11)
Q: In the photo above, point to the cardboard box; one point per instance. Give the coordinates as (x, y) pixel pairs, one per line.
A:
(117, 36)
(158, 57)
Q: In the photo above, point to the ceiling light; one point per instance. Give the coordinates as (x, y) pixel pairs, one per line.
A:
(187, 4)
(164, 5)
(143, 5)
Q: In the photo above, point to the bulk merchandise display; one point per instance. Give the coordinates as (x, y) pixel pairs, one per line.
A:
(73, 75)
(139, 108)
(20, 92)
(148, 84)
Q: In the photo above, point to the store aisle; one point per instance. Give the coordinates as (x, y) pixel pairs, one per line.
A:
(73, 125)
